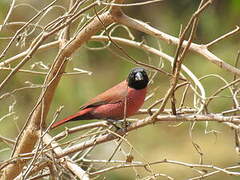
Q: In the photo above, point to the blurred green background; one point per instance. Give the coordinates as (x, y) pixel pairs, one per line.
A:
(154, 142)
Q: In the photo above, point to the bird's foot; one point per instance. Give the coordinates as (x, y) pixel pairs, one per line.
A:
(113, 123)
(119, 124)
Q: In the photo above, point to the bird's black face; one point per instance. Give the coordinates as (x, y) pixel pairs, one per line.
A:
(138, 78)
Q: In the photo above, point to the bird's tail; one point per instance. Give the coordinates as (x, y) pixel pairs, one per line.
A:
(81, 115)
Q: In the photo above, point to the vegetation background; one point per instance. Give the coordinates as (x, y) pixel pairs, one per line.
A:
(154, 142)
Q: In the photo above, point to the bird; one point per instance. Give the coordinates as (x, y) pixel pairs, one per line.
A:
(119, 102)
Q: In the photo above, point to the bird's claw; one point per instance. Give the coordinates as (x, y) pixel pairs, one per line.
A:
(123, 124)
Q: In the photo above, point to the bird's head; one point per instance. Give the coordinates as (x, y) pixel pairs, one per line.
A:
(138, 78)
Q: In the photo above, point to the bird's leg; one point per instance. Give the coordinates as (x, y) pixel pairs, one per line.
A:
(126, 124)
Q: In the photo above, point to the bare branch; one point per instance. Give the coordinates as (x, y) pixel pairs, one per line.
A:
(145, 122)
(200, 49)
(231, 33)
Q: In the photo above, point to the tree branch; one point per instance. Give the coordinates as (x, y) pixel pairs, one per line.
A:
(198, 48)
(30, 135)
(141, 123)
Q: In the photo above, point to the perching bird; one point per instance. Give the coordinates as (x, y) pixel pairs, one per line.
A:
(122, 100)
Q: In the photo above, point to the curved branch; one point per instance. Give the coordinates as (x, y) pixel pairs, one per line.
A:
(147, 48)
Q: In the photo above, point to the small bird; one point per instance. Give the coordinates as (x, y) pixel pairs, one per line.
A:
(116, 103)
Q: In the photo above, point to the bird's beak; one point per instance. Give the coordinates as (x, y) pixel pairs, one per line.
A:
(138, 76)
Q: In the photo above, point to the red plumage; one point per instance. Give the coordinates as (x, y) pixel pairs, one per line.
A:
(110, 104)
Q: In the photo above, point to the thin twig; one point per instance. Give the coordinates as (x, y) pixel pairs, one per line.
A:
(8, 14)
(231, 33)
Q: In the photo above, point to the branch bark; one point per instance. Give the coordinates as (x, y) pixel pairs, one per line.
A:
(66, 161)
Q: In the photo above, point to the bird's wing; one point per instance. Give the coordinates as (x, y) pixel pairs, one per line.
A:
(110, 96)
